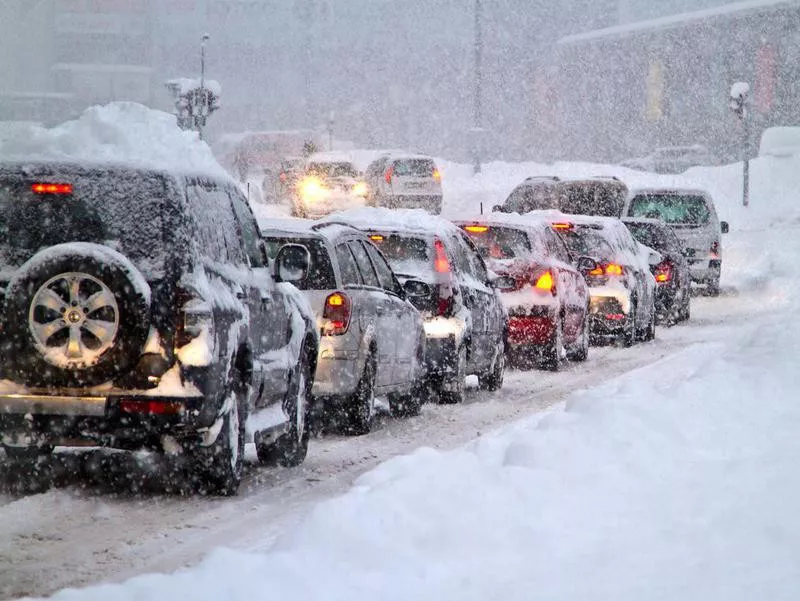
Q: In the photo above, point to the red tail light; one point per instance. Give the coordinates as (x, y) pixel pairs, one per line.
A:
(596, 271)
(283, 177)
(562, 226)
(437, 176)
(545, 282)
(441, 263)
(150, 407)
(336, 314)
(663, 272)
(388, 175)
(444, 304)
(715, 247)
(614, 269)
(51, 188)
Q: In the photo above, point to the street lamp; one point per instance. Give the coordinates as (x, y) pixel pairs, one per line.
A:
(203, 95)
(739, 96)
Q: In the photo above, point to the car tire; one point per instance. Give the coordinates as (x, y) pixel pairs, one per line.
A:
(455, 396)
(553, 353)
(628, 335)
(493, 380)
(360, 406)
(291, 448)
(581, 351)
(49, 276)
(221, 464)
(648, 333)
(712, 288)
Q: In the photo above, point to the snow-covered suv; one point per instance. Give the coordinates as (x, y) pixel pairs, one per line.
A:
(139, 312)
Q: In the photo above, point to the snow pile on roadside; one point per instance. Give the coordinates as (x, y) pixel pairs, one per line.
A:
(677, 481)
(124, 133)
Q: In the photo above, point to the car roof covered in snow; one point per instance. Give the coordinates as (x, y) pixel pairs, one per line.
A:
(589, 220)
(272, 225)
(668, 190)
(41, 167)
(381, 219)
(526, 221)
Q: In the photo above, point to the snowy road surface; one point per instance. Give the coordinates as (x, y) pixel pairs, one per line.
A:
(88, 532)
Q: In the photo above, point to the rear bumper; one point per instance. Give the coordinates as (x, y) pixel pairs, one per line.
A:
(705, 271)
(338, 372)
(430, 202)
(441, 356)
(607, 316)
(531, 329)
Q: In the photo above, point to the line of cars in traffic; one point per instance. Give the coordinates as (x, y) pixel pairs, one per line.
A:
(176, 323)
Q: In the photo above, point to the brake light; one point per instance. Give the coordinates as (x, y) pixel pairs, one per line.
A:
(613, 269)
(42, 188)
(476, 229)
(376, 238)
(545, 282)
(150, 407)
(562, 226)
(388, 175)
(596, 271)
(445, 301)
(663, 272)
(437, 176)
(336, 314)
(441, 263)
(715, 247)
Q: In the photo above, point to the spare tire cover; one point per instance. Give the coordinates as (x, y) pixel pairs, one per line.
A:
(76, 314)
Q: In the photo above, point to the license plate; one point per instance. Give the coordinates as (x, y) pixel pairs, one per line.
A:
(416, 185)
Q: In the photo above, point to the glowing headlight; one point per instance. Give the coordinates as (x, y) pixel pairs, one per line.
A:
(360, 189)
(312, 190)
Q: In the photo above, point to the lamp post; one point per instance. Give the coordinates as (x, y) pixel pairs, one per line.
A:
(203, 96)
(739, 97)
(477, 75)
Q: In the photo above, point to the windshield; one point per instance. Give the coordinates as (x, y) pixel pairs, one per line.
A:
(320, 271)
(675, 209)
(332, 169)
(499, 242)
(123, 210)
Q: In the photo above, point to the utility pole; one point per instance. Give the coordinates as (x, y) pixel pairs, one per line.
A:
(739, 97)
(203, 95)
(478, 76)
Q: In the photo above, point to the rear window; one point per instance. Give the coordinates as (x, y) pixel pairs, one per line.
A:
(498, 242)
(585, 241)
(320, 273)
(675, 209)
(414, 167)
(406, 254)
(650, 235)
(593, 198)
(532, 197)
(343, 169)
(123, 210)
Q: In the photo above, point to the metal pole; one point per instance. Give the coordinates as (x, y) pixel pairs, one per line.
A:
(746, 163)
(203, 97)
(477, 116)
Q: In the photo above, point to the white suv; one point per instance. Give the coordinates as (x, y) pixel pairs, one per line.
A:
(405, 181)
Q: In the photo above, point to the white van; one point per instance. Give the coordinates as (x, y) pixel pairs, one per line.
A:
(691, 214)
(407, 181)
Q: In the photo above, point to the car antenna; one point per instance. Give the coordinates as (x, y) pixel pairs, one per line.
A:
(481, 207)
(248, 192)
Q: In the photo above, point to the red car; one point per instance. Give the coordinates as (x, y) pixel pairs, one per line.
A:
(548, 303)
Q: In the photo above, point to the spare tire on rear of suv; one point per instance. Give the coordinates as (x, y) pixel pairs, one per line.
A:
(76, 314)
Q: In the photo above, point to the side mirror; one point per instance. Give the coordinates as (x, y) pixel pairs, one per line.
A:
(724, 227)
(497, 209)
(586, 264)
(416, 289)
(292, 264)
(504, 282)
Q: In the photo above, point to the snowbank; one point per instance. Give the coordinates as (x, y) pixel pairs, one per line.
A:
(124, 133)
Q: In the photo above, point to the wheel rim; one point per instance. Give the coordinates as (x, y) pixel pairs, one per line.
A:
(73, 319)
